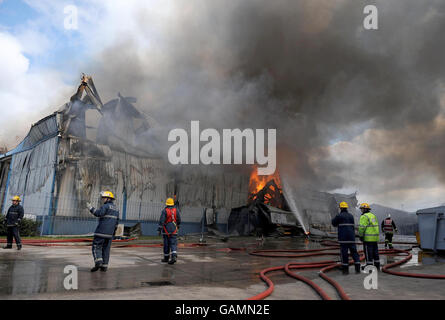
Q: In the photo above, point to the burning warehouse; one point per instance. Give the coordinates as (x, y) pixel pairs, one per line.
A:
(86, 146)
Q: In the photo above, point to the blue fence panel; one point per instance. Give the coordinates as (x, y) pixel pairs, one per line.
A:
(54, 225)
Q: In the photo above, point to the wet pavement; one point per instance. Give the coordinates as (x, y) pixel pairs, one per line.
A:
(215, 271)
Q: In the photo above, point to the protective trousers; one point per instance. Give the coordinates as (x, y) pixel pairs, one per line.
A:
(388, 239)
(170, 245)
(372, 254)
(101, 251)
(13, 233)
(345, 249)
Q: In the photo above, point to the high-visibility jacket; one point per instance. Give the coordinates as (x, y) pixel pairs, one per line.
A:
(169, 221)
(369, 227)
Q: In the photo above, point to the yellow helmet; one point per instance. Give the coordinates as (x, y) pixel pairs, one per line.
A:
(343, 205)
(16, 198)
(170, 202)
(107, 194)
(364, 205)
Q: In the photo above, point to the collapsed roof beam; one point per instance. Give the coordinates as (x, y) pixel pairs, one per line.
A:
(87, 86)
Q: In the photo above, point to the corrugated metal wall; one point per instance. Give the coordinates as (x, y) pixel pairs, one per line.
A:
(4, 171)
(43, 129)
(206, 188)
(144, 183)
(141, 183)
(32, 175)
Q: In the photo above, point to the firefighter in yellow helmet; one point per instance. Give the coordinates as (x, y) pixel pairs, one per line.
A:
(108, 216)
(344, 221)
(12, 221)
(369, 234)
(169, 226)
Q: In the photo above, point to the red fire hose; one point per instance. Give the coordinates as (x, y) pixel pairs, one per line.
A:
(317, 289)
(60, 242)
(125, 244)
(408, 274)
(326, 266)
(337, 287)
(306, 253)
(35, 241)
(159, 245)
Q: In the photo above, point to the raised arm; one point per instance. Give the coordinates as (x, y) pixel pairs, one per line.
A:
(100, 212)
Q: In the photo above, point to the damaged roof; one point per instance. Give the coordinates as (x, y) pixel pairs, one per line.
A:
(121, 125)
(41, 131)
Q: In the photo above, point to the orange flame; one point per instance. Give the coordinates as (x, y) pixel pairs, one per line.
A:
(257, 183)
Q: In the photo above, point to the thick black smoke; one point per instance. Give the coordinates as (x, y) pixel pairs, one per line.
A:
(305, 67)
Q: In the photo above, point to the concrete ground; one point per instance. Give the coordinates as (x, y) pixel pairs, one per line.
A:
(210, 272)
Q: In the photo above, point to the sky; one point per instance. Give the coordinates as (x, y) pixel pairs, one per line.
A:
(41, 63)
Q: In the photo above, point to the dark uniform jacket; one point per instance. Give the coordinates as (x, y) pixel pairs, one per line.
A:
(170, 226)
(108, 220)
(392, 224)
(344, 221)
(14, 215)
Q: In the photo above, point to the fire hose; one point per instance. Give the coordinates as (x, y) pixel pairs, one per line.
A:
(55, 242)
(326, 266)
(159, 245)
(121, 243)
(408, 274)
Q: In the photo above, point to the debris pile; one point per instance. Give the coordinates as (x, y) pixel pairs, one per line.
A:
(266, 213)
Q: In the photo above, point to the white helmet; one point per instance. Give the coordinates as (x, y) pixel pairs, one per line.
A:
(389, 215)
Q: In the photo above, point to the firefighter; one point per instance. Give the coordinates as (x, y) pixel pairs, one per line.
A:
(169, 225)
(103, 236)
(12, 222)
(369, 234)
(344, 221)
(388, 227)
